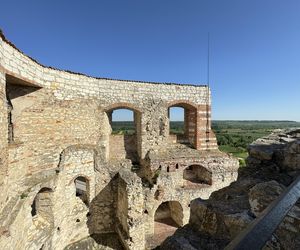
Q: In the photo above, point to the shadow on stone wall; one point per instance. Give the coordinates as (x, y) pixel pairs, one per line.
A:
(130, 145)
(272, 165)
(101, 217)
(124, 147)
(98, 242)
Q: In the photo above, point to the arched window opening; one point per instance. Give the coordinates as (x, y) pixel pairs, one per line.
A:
(176, 118)
(125, 138)
(81, 185)
(182, 127)
(168, 217)
(42, 205)
(196, 174)
(122, 121)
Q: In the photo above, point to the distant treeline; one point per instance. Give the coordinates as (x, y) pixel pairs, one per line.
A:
(126, 127)
(242, 133)
(235, 136)
(232, 136)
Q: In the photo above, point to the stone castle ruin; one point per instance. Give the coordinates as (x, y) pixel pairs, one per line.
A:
(272, 166)
(68, 182)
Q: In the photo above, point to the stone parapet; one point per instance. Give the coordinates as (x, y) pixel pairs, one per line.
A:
(102, 184)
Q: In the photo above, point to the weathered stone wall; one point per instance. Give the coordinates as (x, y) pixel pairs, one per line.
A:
(150, 98)
(123, 147)
(19, 229)
(130, 221)
(170, 185)
(69, 212)
(176, 212)
(273, 164)
(44, 130)
(122, 207)
(61, 130)
(3, 139)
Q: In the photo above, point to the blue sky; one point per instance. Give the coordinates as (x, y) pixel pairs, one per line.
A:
(255, 46)
(176, 114)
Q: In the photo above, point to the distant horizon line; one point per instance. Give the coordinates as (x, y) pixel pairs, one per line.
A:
(231, 120)
(255, 120)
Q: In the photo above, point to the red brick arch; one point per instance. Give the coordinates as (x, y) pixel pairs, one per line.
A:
(182, 103)
(190, 119)
(122, 105)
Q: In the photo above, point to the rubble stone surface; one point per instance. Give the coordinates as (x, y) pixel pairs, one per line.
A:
(68, 182)
(273, 164)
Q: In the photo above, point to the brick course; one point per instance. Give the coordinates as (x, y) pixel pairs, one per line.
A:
(61, 130)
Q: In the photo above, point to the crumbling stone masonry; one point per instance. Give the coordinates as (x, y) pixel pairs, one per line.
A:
(273, 164)
(67, 181)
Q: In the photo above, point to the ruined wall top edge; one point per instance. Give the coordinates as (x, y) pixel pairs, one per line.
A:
(69, 85)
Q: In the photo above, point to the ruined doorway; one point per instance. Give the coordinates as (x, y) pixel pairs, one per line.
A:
(182, 124)
(176, 120)
(197, 175)
(82, 187)
(41, 207)
(125, 137)
(168, 217)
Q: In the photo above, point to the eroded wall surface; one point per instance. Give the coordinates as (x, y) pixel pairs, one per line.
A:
(55, 127)
(3, 138)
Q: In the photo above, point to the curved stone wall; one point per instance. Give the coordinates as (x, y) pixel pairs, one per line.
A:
(55, 126)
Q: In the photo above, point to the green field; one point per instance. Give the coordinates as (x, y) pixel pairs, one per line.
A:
(126, 128)
(233, 136)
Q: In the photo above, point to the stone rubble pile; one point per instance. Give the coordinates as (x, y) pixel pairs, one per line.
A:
(273, 163)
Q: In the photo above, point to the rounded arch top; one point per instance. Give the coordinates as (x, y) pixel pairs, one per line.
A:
(197, 165)
(80, 176)
(199, 174)
(45, 189)
(172, 201)
(123, 105)
(170, 211)
(183, 104)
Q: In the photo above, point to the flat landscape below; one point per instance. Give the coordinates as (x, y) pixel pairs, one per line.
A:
(233, 136)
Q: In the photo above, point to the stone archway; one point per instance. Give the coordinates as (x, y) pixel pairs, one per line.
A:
(186, 134)
(167, 218)
(82, 189)
(41, 207)
(197, 175)
(125, 144)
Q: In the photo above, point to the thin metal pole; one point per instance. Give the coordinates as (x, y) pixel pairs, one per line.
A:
(208, 96)
(208, 58)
